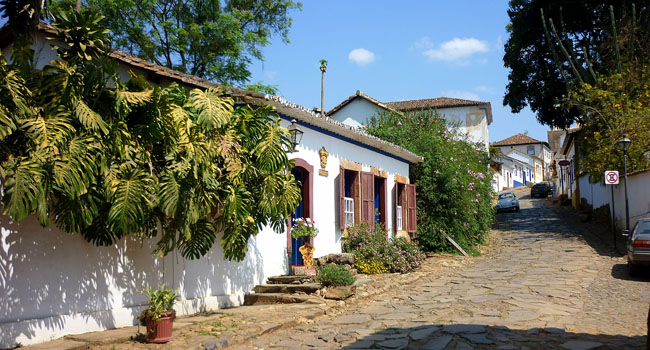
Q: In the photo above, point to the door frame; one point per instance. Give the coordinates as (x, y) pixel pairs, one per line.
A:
(308, 198)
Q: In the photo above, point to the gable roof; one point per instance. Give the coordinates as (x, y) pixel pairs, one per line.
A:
(361, 95)
(438, 102)
(519, 139)
(301, 114)
(400, 106)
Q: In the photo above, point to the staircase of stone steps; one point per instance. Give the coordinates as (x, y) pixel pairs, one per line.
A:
(285, 290)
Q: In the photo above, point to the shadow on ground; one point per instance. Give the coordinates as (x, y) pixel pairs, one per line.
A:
(467, 337)
(620, 271)
(541, 219)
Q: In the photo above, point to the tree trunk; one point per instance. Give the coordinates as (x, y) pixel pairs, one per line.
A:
(322, 93)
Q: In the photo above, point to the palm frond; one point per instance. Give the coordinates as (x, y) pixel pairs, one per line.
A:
(76, 168)
(200, 241)
(169, 194)
(214, 110)
(76, 214)
(7, 125)
(129, 196)
(270, 150)
(24, 188)
(89, 118)
(46, 132)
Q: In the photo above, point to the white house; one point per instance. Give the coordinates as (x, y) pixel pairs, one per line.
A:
(53, 283)
(471, 117)
(536, 153)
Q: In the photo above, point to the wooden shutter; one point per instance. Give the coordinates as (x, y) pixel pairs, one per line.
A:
(368, 198)
(411, 205)
(342, 199)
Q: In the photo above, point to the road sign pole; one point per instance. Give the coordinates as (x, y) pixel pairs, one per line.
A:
(613, 217)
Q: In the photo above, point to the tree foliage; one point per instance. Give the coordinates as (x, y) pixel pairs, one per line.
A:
(617, 105)
(454, 191)
(207, 38)
(109, 159)
(554, 44)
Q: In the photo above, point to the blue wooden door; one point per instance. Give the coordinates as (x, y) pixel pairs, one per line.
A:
(378, 184)
(296, 257)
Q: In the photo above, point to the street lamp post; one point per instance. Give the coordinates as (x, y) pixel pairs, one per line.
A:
(624, 143)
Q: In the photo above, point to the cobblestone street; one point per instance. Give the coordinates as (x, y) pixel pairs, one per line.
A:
(549, 284)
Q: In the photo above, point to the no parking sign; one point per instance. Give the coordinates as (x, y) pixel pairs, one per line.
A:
(611, 177)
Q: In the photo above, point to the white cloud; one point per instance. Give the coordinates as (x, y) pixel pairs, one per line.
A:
(487, 89)
(422, 44)
(457, 50)
(361, 56)
(465, 95)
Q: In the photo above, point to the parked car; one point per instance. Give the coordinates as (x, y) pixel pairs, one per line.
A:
(507, 201)
(638, 246)
(542, 189)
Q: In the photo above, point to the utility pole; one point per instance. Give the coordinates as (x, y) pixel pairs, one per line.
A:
(323, 69)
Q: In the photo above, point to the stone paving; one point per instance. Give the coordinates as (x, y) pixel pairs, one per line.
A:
(551, 284)
(545, 281)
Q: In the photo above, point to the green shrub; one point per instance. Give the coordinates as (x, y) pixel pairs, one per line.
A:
(453, 182)
(160, 301)
(335, 275)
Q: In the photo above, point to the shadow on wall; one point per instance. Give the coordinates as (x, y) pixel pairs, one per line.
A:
(53, 283)
(468, 336)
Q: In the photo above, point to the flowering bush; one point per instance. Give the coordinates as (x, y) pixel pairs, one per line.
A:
(374, 253)
(454, 190)
(303, 227)
(370, 266)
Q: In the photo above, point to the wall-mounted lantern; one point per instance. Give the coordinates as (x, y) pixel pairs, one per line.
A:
(296, 134)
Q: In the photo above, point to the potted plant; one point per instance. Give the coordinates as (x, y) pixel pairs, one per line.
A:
(159, 316)
(305, 228)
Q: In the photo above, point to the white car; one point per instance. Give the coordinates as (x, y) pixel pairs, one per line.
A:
(507, 201)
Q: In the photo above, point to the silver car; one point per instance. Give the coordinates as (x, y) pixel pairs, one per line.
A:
(507, 201)
(638, 246)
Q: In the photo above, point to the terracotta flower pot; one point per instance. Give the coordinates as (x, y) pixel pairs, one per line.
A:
(160, 331)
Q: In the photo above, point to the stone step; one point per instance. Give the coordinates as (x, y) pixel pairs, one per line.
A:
(306, 288)
(288, 279)
(280, 298)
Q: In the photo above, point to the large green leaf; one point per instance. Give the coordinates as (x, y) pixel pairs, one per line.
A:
(214, 110)
(129, 195)
(24, 187)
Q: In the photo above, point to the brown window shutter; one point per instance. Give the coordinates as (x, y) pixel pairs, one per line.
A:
(411, 217)
(341, 199)
(368, 199)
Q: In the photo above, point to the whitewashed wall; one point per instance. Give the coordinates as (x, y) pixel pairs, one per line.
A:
(357, 112)
(638, 189)
(53, 283)
(326, 188)
(471, 120)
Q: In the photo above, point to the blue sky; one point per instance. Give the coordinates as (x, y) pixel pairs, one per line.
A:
(398, 51)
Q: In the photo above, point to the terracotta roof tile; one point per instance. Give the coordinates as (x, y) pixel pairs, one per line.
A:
(519, 139)
(360, 94)
(437, 102)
